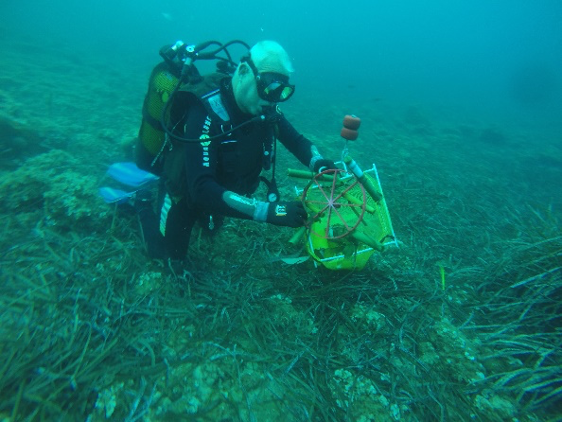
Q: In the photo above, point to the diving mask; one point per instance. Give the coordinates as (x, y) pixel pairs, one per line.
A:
(272, 86)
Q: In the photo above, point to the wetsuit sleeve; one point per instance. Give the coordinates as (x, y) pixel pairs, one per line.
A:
(202, 159)
(301, 147)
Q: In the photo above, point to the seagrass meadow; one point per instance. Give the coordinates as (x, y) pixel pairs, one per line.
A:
(461, 322)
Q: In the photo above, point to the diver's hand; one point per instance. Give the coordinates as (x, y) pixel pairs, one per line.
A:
(290, 214)
(323, 164)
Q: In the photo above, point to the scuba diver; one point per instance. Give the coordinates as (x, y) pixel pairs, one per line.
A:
(216, 134)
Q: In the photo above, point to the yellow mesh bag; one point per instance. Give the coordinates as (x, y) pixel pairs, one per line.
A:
(346, 233)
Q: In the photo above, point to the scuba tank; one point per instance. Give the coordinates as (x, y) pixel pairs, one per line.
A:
(151, 135)
(165, 80)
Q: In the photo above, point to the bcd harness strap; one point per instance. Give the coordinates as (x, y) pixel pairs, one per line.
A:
(208, 92)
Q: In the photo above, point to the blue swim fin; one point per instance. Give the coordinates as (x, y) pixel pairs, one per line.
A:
(115, 196)
(129, 174)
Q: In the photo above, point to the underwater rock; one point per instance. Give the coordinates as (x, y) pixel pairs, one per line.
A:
(53, 184)
(18, 142)
(496, 405)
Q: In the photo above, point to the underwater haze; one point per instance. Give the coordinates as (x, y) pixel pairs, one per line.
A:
(461, 109)
(487, 59)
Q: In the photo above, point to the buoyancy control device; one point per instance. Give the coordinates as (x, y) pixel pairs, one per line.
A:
(177, 70)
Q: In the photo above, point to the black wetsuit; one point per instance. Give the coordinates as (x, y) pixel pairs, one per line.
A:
(231, 163)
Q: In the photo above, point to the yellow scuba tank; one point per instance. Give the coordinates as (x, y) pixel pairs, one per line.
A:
(151, 137)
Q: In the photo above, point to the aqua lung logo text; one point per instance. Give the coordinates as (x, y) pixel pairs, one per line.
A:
(205, 144)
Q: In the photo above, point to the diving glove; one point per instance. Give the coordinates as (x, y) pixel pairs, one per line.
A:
(289, 214)
(323, 164)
